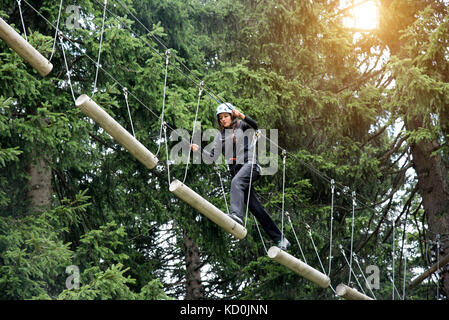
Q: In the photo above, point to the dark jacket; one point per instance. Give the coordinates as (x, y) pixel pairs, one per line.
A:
(236, 143)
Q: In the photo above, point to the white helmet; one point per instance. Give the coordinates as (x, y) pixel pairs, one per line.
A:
(225, 107)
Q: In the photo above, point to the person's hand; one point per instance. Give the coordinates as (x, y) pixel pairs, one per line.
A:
(238, 114)
(194, 147)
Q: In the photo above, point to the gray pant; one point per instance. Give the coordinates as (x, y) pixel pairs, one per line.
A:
(241, 175)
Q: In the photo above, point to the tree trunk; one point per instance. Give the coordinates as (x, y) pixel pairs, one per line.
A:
(433, 187)
(194, 290)
(39, 185)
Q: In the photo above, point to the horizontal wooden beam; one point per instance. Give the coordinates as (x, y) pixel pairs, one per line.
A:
(207, 209)
(428, 272)
(24, 49)
(123, 137)
(301, 268)
(349, 293)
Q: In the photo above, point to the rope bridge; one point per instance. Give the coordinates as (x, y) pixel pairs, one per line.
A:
(87, 104)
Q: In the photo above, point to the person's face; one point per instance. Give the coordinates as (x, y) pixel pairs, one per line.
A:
(225, 119)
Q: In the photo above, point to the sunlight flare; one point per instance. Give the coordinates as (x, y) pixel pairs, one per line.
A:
(363, 15)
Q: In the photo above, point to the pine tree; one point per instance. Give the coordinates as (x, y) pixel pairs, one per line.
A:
(419, 67)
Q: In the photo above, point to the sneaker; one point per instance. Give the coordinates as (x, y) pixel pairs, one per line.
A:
(283, 244)
(236, 218)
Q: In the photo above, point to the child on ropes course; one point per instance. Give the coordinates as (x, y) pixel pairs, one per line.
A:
(243, 167)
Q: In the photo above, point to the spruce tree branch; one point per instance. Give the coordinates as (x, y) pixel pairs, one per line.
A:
(103, 142)
(361, 80)
(376, 231)
(406, 207)
(64, 183)
(375, 135)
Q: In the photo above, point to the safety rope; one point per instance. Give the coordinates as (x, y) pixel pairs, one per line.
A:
(296, 237)
(217, 170)
(284, 156)
(363, 274)
(56, 32)
(125, 93)
(331, 225)
(200, 91)
(404, 237)
(352, 235)
(166, 152)
(261, 237)
(99, 49)
(405, 277)
(351, 270)
(19, 2)
(167, 62)
(67, 67)
(393, 256)
(437, 273)
(253, 163)
(394, 286)
(309, 231)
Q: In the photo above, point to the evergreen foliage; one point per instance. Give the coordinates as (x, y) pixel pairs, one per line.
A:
(345, 105)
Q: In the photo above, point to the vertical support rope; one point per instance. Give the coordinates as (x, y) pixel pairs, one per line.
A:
(167, 61)
(318, 256)
(393, 255)
(352, 236)
(200, 91)
(255, 137)
(164, 128)
(405, 277)
(222, 187)
(67, 67)
(309, 231)
(56, 32)
(394, 287)
(404, 237)
(261, 238)
(331, 225)
(284, 156)
(125, 93)
(99, 49)
(363, 274)
(350, 269)
(437, 272)
(296, 237)
(19, 2)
